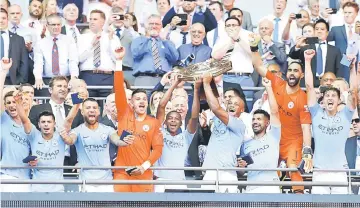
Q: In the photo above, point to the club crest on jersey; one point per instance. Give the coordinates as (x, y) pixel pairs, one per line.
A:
(290, 105)
(54, 143)
(104, 137)
(146, 128)
(306, 108)
(337, 119)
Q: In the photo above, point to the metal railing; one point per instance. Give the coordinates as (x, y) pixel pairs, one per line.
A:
(215, 183)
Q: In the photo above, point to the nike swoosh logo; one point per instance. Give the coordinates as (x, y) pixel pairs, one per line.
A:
(40, 143)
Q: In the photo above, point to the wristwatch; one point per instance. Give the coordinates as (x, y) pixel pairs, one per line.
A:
(237, 40)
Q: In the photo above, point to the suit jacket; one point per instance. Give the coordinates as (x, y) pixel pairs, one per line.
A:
(278, 50)
(37, 109)
(338, 34)
(332, 64)
(19, 71)
(113, 149)
(126, 39)
(351, 153)
(206, 18)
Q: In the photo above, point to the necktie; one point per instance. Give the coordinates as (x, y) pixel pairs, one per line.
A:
(265, 50)
(319, 60)
(184, 37)
(216, 34)
(2, 50)
(118, 32)
(350, 32)
(74, 34)
(31, 24)
(156, 55)
(314, 20)
(55, 58)
(14, 29)
(97, 53)
(276, 29)
(59, 118)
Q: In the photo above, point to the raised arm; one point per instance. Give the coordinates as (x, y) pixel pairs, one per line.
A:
(71, 116)
(5, 66)
(20, 109)
(213, 101)
(195, 110)
(309, 78)
(354, 81)
(120, 95)
(286, 32)
(256, 58)
(160, 115)
(274, 109)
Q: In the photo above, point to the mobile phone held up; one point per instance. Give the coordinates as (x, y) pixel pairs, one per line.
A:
(183, 18)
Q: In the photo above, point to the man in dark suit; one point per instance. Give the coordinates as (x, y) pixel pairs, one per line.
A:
(344, 36)
(327, 57)
(58, 88)
(71, 13)
(13, 46)
(271, 52)
(352, 149)
(204, 16)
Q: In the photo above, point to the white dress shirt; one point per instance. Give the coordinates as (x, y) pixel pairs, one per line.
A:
(177, 38)
(53, 108)
(29, 34)
(282, 24)
(221, 32)
(107, 48)
(143, 9)
(37, 26)
(241, 55)
(68, 57)
(303, 4)
(69, 32)
(6, 38)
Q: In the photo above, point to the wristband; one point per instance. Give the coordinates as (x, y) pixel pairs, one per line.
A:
(146, 165)
(254, 48)
(118, 65)
(307, 151)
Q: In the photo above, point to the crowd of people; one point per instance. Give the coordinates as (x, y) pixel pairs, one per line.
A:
(53, 75)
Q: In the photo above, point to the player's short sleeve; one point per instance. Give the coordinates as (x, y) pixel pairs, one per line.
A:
(236, 125)
(348, 112)
(76, 132)
(314, 109)
(275, 132)
(109, 130)
(188, 136)
(304, 112)
(275, 80)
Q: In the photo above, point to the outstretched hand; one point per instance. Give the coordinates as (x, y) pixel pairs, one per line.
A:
(119, 53)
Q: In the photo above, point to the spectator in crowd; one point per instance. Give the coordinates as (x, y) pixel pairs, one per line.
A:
(153, 54)
(126, 34)
(13, 138)
(279, 19)
(92, 151)
(35, 12)
(155, 98)
(327, 79)
(331, 130)
(293, 30)
(259, 95)
(352, 148)
(246, 24)
(97, 60)
(263, 148)
(133, 23)
(137, 7)
(343, 86)
(145, 134)
(242, 69)
(218, 11)
(195, 52)
(176, 141)
(124, 4)
(76, 86)
(328, 57)
(63, 59)
(46, 145)
(196, 11)
(338, 18)
(50, 7)
(345, 37)
(58, 88)
(5, 4)
(271, 52)
(294, 116)
(71, 13)
(27, 91)
(314, 9)
(226, 137)
(163, 6)
(80, 4)
(178, 34)
(13, 46)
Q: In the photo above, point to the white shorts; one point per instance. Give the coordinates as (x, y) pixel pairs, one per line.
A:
(329, 177)
(97, 188)
(162, 188)
(223, 176)
(263, 190)
(13, 187)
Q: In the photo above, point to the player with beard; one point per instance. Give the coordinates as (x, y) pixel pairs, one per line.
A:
(145, 133)
(226, 137)
(13, 138)
(330, 128)
(264, 147)
(47, 144)
(294, 115)
(92, 140)
(176, 142)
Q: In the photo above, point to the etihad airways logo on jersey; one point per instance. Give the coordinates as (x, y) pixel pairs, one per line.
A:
(47, 155)
(19, 139)
(330, 130)
(284, 111)
(259, 150)
(95, 147)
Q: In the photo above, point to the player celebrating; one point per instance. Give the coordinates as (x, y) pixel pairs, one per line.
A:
(263, 149)
(144, 131)
(294, 115)
(331, 129)
(226, 137)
